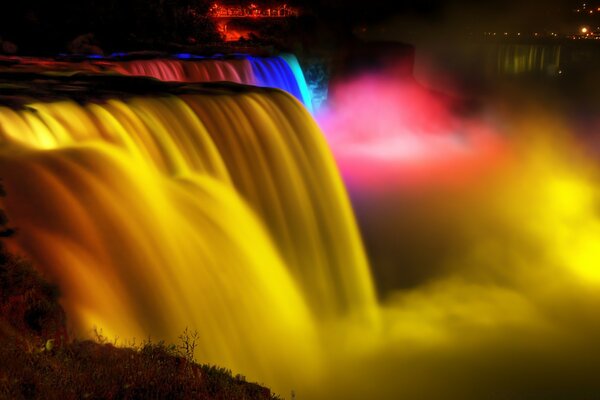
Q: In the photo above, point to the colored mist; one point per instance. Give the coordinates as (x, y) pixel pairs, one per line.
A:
(494, 286)
(385, 129)
(483, 239)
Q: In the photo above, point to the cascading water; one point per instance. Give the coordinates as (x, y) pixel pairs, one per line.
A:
(237, 71)
(281, 72)
(221, 211)
(515, 59)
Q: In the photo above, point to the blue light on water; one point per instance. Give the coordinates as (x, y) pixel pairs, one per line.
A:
(284, 73)
(294, 65)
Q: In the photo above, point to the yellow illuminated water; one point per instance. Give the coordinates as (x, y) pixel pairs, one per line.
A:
(222, 213)
(515, 59)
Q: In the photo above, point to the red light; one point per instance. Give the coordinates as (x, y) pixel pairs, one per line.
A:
(386, 131)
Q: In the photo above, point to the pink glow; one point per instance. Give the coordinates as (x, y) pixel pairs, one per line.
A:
(387, 132)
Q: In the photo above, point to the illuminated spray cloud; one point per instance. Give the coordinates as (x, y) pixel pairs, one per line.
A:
(510, 302)
(500, 275)
(385, 129)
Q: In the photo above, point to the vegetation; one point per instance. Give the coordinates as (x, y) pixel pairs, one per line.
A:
(91, 370)
(38, 361)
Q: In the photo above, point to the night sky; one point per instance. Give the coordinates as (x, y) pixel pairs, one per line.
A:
(466, 15)
(61, 20)
(437, 8)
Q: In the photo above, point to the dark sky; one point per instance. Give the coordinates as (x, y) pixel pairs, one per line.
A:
(432, 9)
(494, 14)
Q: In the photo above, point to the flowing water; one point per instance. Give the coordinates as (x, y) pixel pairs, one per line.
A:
(281, 72)
(221, 212)
(515, 59)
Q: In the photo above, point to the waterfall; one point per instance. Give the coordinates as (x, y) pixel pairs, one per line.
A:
(515, 59)
(282, 72)
(218, 210)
